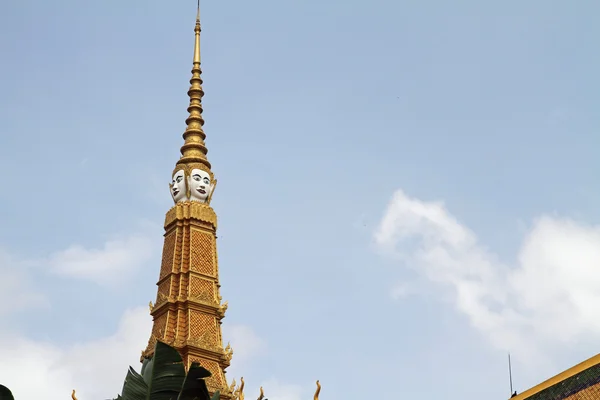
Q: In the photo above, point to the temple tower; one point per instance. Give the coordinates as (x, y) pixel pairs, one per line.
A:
(188, 311)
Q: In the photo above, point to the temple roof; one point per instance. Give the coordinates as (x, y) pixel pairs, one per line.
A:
(582, 380)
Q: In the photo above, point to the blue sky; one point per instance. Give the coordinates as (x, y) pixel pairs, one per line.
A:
(407, 190)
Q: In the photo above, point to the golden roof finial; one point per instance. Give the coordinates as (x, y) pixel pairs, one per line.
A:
(197, 42)
(241, 389)
(238, 393)
(318, 391)
(193, 151)
(73, 395)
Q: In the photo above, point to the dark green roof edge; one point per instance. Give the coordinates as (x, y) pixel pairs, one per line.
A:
(570, 386)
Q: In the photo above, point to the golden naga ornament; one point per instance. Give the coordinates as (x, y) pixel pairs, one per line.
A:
(318, 391)
(262, 394)
(228, 353)
(239, 393)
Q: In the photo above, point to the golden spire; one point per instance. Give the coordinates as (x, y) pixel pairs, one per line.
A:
(193, 151)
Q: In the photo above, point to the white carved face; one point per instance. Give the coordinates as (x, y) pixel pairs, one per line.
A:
(200, 185)
(178, 186)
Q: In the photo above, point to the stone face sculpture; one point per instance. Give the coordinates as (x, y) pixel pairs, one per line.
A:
(200, 185)
(178, 186)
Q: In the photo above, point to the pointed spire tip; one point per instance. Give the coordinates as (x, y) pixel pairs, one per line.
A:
(197, 43)
(193, 151)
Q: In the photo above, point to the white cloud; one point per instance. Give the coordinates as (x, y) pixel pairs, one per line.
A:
(17, 291)
(36, 369)
(118, 259)
(549, 298)
(248, 347)
(96, 369)
(245, 343)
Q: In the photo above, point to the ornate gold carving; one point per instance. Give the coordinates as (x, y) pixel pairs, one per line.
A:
(262, 394)
(237, 393)
(150, 349)
(222, 309)
(171, 215)
(202, 212)
(228, 353)
(73, 395)
(318, 391)
(151, 307)
(160, 323)
(202, 325)
(168, 340)
(168, 255)
(204, 342)
(202, 289)
(161, 299)
(164, 289)
(213, 187)
(206, 302)
(191, 210)
(202, 252)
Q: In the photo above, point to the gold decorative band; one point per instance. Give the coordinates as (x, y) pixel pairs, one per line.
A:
(191, 210)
